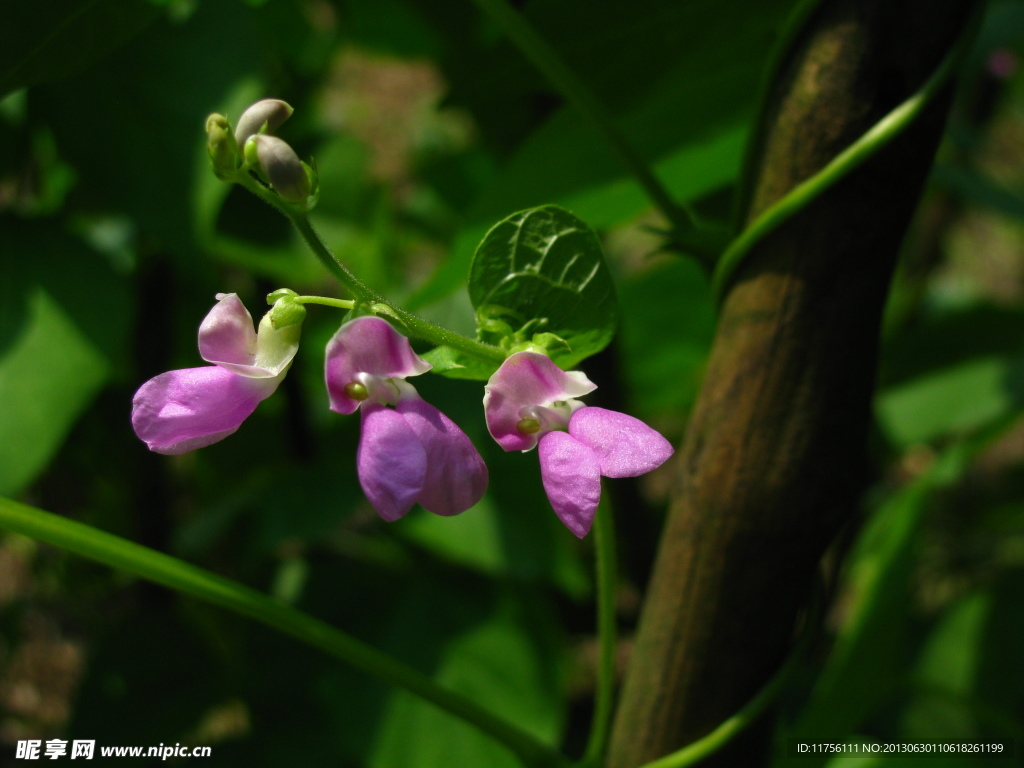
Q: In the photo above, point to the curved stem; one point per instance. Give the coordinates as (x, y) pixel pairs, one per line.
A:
(183, 577)
(877, 137)
(795, 23)
(416, 326)
(607, 581)
(352, 284)
(542, 56)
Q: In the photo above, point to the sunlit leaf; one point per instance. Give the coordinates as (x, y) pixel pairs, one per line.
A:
(47, 377)
(543, 271)
(496, 662)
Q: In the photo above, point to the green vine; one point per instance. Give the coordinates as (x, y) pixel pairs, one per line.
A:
(867, 146)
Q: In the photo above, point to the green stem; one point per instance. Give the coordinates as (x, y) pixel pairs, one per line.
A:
(326, 301)
(178, 575)
(416, 326)
(876, 137)
(607, 581)
(777, 58)
(544, 58)
(353, 284)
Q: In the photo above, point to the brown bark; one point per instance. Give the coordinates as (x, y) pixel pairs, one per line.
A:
(774, 457)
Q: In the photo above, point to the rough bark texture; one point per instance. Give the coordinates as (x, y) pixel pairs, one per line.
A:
(773, 461)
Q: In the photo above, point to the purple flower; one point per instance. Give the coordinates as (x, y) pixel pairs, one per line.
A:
(529, 401)
(410, 453)
(182, 410)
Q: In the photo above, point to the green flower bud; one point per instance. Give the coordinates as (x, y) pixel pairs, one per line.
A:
(264, 116)
(286, 311)
(281, 166)
(221, 146)
(280, 293)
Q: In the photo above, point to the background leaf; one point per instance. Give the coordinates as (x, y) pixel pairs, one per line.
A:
(48, 41)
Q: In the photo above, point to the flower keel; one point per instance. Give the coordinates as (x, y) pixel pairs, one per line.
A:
(412, 453)
(529, 401)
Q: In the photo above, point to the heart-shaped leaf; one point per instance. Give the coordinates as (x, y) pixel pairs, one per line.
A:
(540, 275)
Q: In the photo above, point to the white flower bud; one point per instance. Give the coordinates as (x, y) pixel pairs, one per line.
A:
(269, 112)
(281, 166)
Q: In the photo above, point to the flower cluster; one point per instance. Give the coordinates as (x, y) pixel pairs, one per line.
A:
(409, 452)
(252, 146)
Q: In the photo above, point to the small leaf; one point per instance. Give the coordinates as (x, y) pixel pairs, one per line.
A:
(456, 365)
(542, 271)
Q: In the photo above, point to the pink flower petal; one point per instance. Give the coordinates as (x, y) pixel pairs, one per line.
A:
(456, 476)
(524, 379)
(572, 480)
(227, 339)
(625, 446)
(391, 461)
(226, 334)
(367, 345)
(182, 410)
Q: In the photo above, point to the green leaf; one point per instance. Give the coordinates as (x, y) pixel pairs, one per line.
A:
(47, 377)
(63, 322)
(955, 400)
(864, 668)
(457, 365)
(680, 85)
(542, 271)
(131, 126)
(47, 41)
(176, 574)
(666, 338)
(495, 661)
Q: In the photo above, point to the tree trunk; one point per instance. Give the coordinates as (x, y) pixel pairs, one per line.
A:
(773, 462)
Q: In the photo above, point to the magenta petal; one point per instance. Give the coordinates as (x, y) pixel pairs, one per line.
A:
(456, 476)
(392, 463)
(625, 446)
(367, 345)
(182, 410)
(524, 379)
(226, 334)
(572, 480)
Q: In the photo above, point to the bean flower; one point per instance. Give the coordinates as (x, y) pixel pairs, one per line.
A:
(182, 410)
(531, 402)
(410, 452)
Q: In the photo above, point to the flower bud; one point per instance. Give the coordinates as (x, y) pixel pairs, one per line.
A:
(280, 293)
(268, 113)
(281, 166)
(221, 145)
(286, 311)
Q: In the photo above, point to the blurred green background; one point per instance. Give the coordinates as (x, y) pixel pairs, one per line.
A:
(427, 127)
